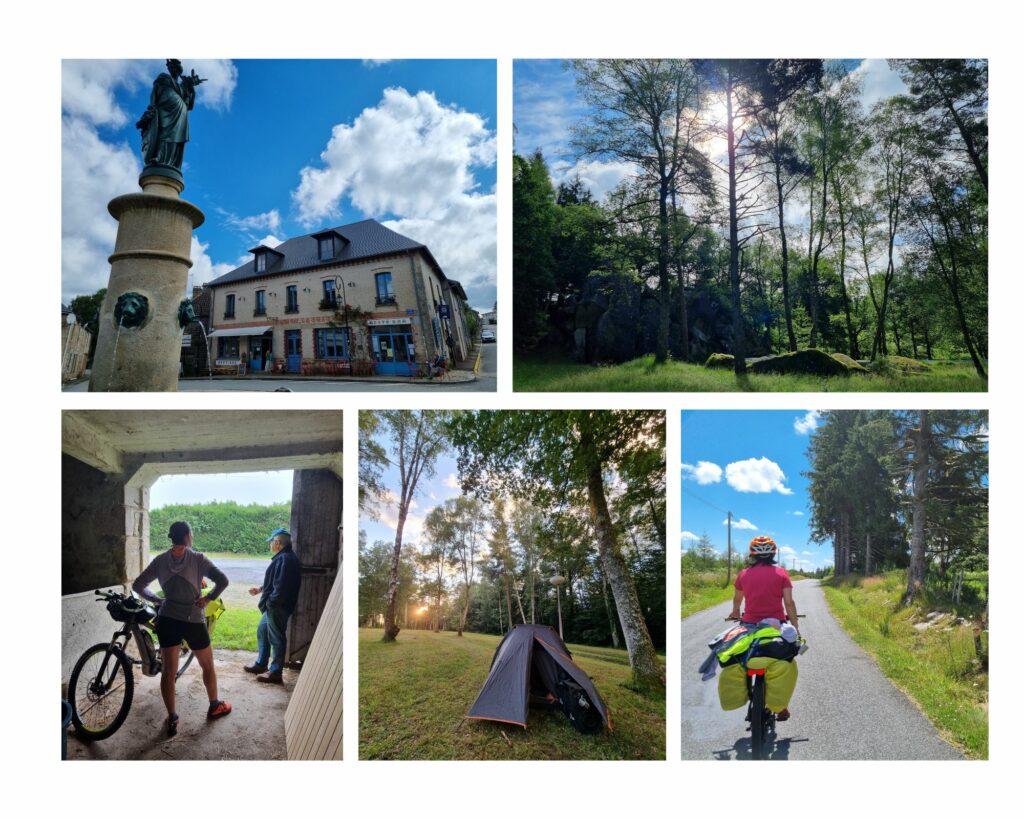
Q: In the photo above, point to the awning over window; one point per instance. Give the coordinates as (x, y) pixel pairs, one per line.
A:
(240, 331)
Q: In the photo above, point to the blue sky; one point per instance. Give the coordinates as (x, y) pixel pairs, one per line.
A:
(284, 147)
(430, 492)
(749, 463)
(244, 488)
(545, 106)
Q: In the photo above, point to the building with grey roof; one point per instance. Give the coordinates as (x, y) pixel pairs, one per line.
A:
(356, 299)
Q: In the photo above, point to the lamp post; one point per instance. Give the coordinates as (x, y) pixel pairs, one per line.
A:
(557, 581)
(63, 359)
(344, 306)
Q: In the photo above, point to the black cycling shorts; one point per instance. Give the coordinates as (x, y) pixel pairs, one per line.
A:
(171, 632)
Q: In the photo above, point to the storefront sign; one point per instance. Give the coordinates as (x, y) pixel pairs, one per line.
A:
(388, 322)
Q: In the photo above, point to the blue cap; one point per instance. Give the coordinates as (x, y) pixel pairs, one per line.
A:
(279, 531)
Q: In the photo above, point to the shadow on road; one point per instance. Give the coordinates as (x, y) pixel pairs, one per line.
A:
(742, 749)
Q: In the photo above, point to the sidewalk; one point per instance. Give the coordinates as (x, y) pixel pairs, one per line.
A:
(453, 377)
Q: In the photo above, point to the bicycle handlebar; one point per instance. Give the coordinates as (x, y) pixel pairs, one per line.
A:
(740, 619)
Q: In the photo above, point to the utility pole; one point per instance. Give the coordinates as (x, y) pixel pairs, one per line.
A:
(728, 572)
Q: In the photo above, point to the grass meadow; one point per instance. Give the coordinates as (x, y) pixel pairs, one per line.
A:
(414, 693)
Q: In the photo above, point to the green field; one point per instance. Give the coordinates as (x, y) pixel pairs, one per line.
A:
(414, 693)
(938, 667)
(543, 374)
(236, 629)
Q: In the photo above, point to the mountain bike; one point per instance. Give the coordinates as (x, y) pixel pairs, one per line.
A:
(103, 680)
(761, 718)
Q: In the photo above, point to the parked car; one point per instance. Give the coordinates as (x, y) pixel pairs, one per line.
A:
(487, 337)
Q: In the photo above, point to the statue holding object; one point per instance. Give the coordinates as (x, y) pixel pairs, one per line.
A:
(164, 124)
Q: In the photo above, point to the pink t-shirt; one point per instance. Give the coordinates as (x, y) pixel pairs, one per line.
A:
(762, 587)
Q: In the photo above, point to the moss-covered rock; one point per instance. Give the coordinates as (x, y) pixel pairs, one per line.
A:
(851, 364)
(802, 362)
(720, 361)
(908, 365)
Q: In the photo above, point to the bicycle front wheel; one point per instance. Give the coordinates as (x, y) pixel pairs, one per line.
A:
(100, 691)
(757, 718)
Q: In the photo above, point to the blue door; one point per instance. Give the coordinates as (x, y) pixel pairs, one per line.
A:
(393, 351)
(293, 350)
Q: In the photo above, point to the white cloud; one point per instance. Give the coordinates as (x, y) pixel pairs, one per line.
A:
(740, 523)
(271, 220)
(807, 423)
(451, 480)
(878, 82)
(599, 176)
(703, 473)
(94, 170)
(409, 156)
(809, 554)
(203, 268)
(787, 550)
(757, 475)
(685, 535)
(413, 158)
(798, 513)
(375, 63)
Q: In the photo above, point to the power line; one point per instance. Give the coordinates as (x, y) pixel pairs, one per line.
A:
(706, 503)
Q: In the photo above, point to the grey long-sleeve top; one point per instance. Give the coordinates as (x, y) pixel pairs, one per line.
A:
(181, 582)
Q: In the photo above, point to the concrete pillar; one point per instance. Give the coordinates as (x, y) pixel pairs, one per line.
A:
(151, 258)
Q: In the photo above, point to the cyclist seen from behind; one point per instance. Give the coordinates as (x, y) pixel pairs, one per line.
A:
(767, 591)
(180, 615)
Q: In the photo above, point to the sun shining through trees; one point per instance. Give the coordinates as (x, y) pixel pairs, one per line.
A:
(793, 220)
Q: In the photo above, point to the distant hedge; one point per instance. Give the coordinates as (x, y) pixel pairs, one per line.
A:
(221, 526)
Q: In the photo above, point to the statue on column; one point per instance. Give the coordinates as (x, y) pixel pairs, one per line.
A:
(164, 124)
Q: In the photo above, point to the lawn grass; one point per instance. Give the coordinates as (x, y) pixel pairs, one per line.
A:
(545, 374)
(414, 693)
(936, 667)
(236, 629)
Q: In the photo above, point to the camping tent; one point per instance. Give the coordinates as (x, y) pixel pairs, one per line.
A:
(533, 660)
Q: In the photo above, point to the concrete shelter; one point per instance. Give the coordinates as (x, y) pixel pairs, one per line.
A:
(110, 459)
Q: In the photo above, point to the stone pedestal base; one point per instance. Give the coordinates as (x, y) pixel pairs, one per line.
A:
(151, 259)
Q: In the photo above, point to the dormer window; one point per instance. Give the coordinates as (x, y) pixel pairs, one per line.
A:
(261, 262)
(326, 247)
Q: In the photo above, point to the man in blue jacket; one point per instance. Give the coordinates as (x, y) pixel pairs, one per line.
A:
(278, 596)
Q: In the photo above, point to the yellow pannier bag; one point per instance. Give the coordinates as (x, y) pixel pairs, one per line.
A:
(780, 682)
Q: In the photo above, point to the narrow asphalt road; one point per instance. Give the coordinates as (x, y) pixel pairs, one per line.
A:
(843, 708)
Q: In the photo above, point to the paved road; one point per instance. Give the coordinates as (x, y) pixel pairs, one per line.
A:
(843, 708)
(486, 381)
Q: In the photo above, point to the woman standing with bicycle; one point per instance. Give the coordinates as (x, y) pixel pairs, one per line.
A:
(767, 590)
(180, 572)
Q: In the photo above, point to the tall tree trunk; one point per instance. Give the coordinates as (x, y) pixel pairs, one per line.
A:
(867, 554)
(608, 610)
(965, 134)
(501, 622)
(643, 659)
(850, 334)
(786, 303)
(661, 343)
(391, 628)
(922, 446)
(738, 347)
(684, 324)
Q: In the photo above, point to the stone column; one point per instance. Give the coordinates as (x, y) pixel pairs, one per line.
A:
(150, 264)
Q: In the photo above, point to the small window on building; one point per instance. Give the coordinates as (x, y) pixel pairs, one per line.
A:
(229, 306)
(261, 303)
(330, 294)
(227, 347)
(292, 300)
(332, 342)
(326, 248)
(261, 262)
(385, 293)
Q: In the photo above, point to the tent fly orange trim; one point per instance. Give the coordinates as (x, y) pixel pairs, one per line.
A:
(539, 640)
(495, 719)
